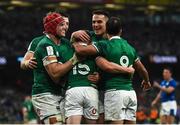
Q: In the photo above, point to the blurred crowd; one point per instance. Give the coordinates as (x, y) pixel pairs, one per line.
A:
(18, 28)
(151, 114)
(11, 103)
(154, 39)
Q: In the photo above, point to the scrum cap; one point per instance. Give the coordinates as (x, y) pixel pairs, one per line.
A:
(51, 21)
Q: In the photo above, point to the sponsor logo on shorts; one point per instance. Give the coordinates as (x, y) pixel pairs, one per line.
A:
(38, 111)
(93, 111)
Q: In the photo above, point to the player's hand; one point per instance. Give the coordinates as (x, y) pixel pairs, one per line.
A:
(31, 64)
(74, 59)
(156, 84)
(80, 35)
(94, 78)
(153, 103)
(146, 85)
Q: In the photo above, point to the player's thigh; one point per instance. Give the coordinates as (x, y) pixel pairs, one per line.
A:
(46, 105)
(131, 106)
(173, 108)
(91, 103)
(113, 105)
(76, 119)
(168, 108)
(170, 119)
(73, 102)
(163, 119)
(120, 105)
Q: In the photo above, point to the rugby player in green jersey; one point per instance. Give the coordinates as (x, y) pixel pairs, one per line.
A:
(28, 61)
(120, 98)
(81, 98)
(99, 19)
(46, 92)
(29, 114)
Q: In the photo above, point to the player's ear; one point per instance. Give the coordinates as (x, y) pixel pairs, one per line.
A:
(120, 31)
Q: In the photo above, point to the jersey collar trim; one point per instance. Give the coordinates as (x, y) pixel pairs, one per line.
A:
(47, 36)
(115, 37)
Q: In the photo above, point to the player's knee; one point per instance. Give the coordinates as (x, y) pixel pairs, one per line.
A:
(55, 119)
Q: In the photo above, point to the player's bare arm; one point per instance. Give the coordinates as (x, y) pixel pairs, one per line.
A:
(139, 67)
(156, 99)
(169, 89)
(57, 70)
(112, 67)
(101, 62)
(28, 61)
(84, 50)
(94, 78)
(25, 115)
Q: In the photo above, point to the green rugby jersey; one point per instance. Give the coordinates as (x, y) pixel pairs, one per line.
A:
(42, 81)
(30, 109)
(78, 76)
(117, 50)
(95, 39)
(65, 50)
(34, 43)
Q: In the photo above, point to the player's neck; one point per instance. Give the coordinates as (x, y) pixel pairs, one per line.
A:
(168, 79)
(105, 36)
(54, 39)
(109, 36)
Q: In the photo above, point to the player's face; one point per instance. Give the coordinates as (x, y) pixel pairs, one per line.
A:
(66, 23)
(99, 24)
(166, 74)
(61, 29)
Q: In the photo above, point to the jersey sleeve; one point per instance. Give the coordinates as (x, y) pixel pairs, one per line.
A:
(162, 83)
(100, 47)
(48, 53)
(172, 83)
(32, 46)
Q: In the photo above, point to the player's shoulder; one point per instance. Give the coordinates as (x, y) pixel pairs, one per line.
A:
(65, 41)
(173, 81)
(127, 44)
(37, 39)
(45, 41)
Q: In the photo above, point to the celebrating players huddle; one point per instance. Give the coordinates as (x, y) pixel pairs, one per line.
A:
(72, 76)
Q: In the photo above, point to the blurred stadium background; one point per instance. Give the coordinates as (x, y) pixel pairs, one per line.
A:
(151, 26)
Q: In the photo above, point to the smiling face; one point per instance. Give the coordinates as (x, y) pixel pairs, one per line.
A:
(66, 19)
(61, 29)
(99, 24)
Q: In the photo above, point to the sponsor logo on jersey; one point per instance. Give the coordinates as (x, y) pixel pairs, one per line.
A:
(50, 50)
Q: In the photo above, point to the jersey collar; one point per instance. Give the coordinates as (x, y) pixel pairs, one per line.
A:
(115, 37)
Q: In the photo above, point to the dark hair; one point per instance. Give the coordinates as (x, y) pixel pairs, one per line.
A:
(64, 14)
(113, 26)
(169, 69)
(101, 12)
